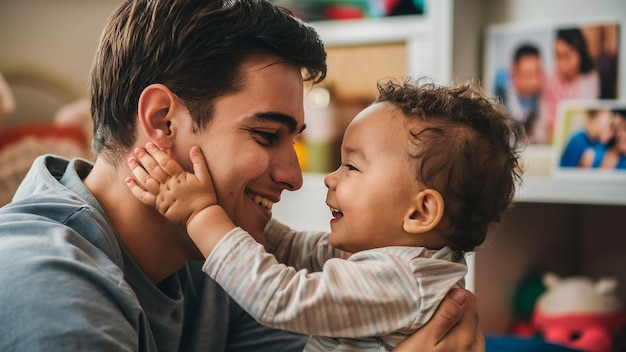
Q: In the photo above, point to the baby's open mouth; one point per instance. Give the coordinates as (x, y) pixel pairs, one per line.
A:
(336, 212)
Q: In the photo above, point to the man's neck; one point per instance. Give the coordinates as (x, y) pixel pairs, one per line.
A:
(159, 247)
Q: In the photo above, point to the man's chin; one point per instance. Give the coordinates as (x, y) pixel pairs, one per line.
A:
(256, 231)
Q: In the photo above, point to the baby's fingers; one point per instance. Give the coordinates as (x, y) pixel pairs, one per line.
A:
(200, 168)
(144, 196)
(142, 178)
(164, 163)
(150, 166)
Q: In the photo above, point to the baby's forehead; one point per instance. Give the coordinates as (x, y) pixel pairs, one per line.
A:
(389, 116)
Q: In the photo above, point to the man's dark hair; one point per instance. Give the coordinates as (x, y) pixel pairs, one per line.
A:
(195, 48)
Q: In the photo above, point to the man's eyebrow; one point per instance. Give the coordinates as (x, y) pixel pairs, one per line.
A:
(284, 119)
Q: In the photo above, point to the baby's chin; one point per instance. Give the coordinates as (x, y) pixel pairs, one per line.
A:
(338, 245)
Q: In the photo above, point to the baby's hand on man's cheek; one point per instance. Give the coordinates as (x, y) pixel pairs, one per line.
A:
(162, 183)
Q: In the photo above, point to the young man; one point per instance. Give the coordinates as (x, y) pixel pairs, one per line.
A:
(88, 267)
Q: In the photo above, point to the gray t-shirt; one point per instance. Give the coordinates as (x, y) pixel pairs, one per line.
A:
(67, 283)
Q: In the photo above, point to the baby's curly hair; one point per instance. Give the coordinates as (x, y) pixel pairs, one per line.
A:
(466, 148)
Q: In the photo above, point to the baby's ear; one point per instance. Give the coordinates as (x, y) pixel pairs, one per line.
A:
(426, 212)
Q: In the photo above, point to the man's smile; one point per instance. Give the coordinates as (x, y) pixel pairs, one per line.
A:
(264, 202)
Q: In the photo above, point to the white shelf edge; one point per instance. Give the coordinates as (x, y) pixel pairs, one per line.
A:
(374, 30)
(572, 191)
(428, 37)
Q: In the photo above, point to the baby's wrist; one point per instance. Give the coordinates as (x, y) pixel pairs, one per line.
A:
(208, 226)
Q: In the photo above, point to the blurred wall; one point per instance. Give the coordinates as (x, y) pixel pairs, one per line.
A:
(53, 41)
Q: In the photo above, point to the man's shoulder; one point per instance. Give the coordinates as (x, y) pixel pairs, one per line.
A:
(45, 261)
(55, 283)
(55, 217)
(42, 239)
(33, 242)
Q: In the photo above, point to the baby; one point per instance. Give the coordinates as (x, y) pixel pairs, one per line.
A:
(424, 172)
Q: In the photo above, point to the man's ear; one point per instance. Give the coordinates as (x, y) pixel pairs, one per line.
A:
(156, 113)
(426, 212)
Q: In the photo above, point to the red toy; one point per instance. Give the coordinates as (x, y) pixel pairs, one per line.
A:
(579, 313)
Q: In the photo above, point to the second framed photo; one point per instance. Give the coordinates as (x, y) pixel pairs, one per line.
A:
(590, 139)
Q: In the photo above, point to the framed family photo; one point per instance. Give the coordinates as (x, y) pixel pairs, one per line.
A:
(590, 139)
(532, 68)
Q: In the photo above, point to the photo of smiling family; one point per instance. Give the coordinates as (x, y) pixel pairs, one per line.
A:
(531, 69)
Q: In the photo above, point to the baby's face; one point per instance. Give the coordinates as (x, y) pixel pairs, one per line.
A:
(372, 191)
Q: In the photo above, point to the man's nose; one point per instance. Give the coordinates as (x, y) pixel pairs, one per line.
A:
(287, 171)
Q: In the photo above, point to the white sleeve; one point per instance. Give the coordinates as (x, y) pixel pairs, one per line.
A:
(373, 295)
(300, 249)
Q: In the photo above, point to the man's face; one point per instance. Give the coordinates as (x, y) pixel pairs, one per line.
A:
(249, 143)
(528, 76)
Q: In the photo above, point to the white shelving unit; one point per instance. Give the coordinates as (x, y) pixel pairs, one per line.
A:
(573, 191)
(428, 37)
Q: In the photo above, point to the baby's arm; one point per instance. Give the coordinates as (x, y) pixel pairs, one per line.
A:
(300, 249)
(371, 294)
(185, 198)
